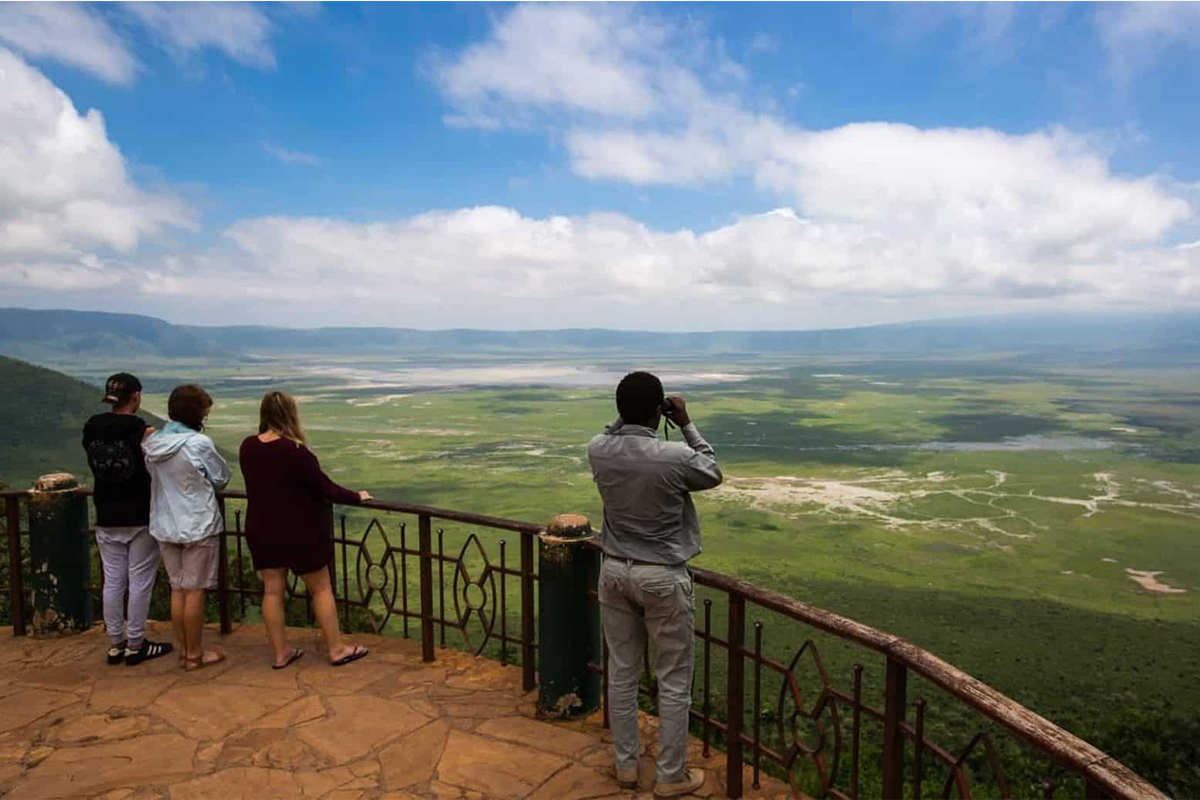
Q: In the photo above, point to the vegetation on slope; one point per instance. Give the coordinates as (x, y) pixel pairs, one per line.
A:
(41, 418)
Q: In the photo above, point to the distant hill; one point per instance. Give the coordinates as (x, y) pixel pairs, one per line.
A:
(1164, 333)
(41, 418)
(1152, 338)
(38, 335)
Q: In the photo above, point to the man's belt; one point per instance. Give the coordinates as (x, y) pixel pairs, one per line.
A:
(633, 562)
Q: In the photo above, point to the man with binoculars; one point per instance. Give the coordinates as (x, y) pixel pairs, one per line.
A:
(650, 531)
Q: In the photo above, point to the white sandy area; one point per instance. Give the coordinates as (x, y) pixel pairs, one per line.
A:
(361, 402)
(558, 375)
(1149, 581)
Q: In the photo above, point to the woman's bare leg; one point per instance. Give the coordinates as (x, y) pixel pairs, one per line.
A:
(193, 623)
(325, 610)
(177, 613)
(274, 591)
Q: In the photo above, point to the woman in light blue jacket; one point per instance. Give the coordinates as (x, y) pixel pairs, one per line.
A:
(185, 473)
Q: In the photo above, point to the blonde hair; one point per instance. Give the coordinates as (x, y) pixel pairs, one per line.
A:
(279, 413)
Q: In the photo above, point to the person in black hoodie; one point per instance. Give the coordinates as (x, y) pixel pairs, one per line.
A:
(113, 442)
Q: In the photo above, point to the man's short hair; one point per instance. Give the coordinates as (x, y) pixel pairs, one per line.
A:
(189, 405)
(639, 397)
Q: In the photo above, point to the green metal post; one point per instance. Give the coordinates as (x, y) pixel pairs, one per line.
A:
(61, 557)
(568, 620)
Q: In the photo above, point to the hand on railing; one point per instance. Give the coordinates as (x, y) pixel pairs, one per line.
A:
(364, 496)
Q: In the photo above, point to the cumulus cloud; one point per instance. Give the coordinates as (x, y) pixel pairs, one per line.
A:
(588, 60)
(872, 221)
(491, 266)
(66, 197)
(880, 208)
(69, 33)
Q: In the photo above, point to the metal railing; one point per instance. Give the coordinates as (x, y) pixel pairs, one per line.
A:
(371, 576)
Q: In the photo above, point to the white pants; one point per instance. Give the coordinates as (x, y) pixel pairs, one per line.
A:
(130, 560)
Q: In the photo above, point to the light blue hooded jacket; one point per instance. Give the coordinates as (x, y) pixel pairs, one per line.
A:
(185, 473)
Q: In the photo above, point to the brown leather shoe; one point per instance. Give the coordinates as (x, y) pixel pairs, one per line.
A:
(693, 781)
(627, 778)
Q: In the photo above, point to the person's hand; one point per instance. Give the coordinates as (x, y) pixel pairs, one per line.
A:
(678, 413)
(364, 496)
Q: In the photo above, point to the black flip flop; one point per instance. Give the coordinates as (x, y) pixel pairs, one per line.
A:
(296, 653)
(358, 652)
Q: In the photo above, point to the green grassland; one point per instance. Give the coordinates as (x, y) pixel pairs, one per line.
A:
(985, 509)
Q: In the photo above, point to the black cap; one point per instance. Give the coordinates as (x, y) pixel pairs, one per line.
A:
(119, 388)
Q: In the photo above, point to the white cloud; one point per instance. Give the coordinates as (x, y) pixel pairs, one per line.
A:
(240, 30)
(289, 156)
(882, 209)
(69, 33)
(77, 35)
(610, 61)
(491, 266)
(66, 197)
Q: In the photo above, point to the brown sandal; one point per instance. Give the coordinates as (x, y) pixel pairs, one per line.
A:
(193, 664)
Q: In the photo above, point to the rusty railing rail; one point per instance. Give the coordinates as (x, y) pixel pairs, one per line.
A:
(370, 574)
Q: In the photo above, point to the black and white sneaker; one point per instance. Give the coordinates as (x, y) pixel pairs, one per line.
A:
(148, 650)
(116, 653)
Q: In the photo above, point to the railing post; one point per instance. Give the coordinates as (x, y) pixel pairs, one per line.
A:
(895, 707)
(425, 545)
(16, 578)
(568, 570)
(223, 572)
(528, 680)
(328, 523)
(60, 556)
(735, 691)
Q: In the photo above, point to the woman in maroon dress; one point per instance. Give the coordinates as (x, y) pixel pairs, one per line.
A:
(286, 492)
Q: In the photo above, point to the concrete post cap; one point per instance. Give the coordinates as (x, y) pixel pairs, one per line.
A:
(56, 482)
(569, 526)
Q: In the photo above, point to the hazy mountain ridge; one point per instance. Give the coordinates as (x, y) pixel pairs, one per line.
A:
(1158, 337)
(34, 333)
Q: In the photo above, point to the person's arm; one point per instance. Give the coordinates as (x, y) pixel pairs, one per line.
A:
(615, 425)
(699, 470)
(214, 467)
(320, 484)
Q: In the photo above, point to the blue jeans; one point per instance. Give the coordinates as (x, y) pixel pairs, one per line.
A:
(639, 601)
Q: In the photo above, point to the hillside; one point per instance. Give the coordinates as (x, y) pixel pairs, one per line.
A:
(38, 335)
(41, 415)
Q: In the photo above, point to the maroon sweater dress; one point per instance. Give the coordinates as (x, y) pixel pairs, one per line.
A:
(286, 493)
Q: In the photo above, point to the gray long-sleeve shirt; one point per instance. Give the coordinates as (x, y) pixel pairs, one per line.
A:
(646, 485)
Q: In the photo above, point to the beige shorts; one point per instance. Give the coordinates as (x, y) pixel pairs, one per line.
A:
(192, 565)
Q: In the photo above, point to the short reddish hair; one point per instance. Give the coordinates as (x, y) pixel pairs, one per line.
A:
(189, 405)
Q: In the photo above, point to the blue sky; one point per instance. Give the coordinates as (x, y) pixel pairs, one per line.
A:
(681, 166)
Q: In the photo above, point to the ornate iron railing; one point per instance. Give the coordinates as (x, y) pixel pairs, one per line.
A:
(817, 730)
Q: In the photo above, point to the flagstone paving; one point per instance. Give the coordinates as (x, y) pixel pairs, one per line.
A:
(386, 728)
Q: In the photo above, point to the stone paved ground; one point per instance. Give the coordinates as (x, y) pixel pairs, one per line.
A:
(387, 727)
